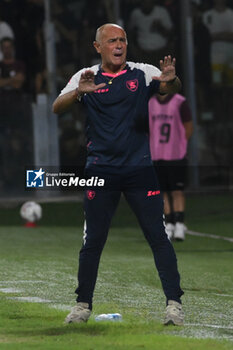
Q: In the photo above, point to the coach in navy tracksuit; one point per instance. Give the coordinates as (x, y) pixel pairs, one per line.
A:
(116, 95)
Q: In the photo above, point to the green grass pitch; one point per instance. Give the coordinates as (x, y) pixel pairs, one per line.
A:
(38, 270)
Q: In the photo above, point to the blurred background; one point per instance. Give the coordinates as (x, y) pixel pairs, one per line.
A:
(44, 42)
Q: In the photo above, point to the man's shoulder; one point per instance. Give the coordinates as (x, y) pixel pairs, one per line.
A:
(145, 67)
(148, 70)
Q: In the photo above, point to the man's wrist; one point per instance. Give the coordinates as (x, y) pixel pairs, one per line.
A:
(79, 94)
(172, 80)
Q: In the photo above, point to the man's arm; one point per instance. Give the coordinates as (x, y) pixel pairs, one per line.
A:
(170, 87)
(186, 118)
(64, 102)
(15, 82)
(86, 85)
(188, 126)
(18, 80)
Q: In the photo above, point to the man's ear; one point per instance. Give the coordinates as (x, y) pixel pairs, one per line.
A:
(97, 46)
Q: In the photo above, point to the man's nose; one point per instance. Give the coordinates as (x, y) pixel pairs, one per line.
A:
(119, 43)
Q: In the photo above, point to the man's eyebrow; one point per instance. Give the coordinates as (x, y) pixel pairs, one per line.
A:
(118, 37)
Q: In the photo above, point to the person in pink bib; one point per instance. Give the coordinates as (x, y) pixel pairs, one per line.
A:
(170, 123)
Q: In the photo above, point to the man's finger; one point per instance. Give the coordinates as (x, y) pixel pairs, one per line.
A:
(89, 71)
(99, 86)
(156, 78)
(169, 59)
(161, 64)
(88, 74)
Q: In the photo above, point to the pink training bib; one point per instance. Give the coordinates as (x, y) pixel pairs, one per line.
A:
(167, 133)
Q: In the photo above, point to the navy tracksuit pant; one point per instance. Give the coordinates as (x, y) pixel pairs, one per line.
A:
(140, 188)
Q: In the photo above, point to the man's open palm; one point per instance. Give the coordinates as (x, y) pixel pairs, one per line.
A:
(87, 83)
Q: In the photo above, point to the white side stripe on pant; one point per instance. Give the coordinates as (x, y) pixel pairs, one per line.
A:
(84, 232)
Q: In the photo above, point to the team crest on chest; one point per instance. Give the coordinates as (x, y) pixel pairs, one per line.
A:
(132, 85)
(90, 194)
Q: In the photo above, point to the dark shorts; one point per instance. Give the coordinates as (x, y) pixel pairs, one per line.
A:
(172, 174)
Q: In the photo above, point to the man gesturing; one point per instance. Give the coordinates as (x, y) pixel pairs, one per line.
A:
(115, 94)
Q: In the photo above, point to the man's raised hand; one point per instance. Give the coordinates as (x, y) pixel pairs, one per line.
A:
(167, 67)
(87, 83)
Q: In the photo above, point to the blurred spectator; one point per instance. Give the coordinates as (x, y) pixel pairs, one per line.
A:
(150, 32)
(32, 41)
(171, 126)
(12, 73)
(67, 36)
(5, 31)
(12, 106)
(202, 42)
(219, 21)
(11, 11)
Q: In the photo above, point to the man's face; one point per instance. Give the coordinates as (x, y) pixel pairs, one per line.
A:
(112, 46)
(7, 49)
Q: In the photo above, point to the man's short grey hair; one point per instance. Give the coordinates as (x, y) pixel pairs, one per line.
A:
(100, 30)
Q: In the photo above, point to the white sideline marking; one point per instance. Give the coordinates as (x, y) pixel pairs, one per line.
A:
(208, 325)
(22, 281)
(223, 295)
(193, 233)
(10, 290)
(31, 299)
(61, 307)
